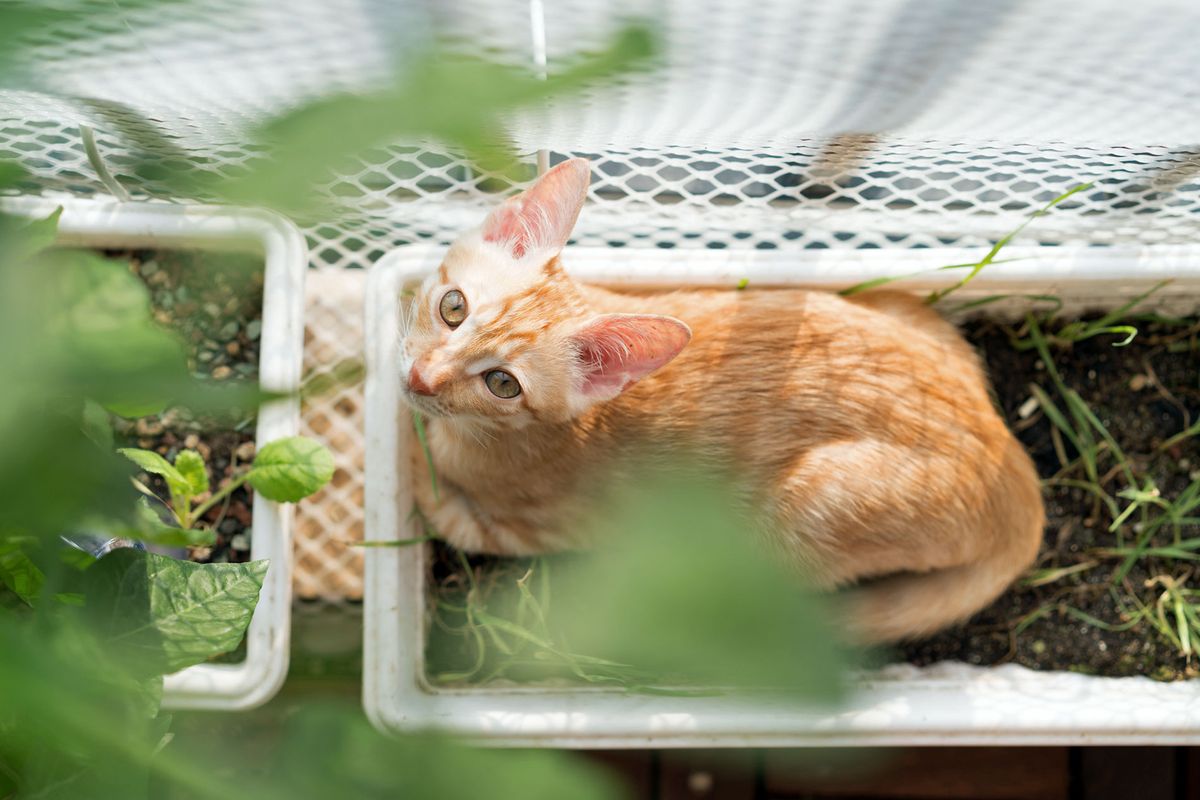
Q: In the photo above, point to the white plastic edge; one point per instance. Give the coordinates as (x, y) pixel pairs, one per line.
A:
(108, 224)
(946, 704)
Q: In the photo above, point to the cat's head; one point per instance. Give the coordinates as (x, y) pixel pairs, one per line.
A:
(500, 334)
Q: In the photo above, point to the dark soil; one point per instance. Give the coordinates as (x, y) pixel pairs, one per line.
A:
(214, 302)
(1144, 393)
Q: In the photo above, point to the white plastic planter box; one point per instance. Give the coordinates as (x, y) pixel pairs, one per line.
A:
(945, 704)
(285, 255)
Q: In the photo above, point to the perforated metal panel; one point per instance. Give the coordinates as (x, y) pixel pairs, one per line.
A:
(787, 124)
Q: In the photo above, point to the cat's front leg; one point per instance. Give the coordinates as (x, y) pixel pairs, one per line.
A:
(454, 516)
(445, 508)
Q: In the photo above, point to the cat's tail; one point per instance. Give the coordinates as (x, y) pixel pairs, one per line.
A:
(913, 605)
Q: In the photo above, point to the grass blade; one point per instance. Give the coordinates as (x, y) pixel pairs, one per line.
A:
(985, 301)
(941, 294)
(874, 283)
(1083, 616)
(419, 426)
(1043, 577)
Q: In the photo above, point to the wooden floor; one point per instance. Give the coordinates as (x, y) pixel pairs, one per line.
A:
(967, 773)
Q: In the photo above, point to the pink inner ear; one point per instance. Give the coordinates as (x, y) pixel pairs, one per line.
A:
(543, 216)
(504, 226)
(618, 349)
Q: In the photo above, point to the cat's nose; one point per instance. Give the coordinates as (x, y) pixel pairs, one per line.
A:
(417, 384)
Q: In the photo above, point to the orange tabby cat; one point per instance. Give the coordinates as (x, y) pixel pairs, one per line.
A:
(863, 425)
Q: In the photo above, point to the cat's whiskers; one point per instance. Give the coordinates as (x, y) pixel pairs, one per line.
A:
(408, 315)
(478, 433)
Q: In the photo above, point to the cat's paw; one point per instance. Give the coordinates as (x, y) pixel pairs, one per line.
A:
(456, 523)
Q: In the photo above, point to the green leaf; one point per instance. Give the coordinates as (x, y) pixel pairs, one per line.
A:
(73, 723)
(97, 315)
(166, 536)
(85, 331)
(153, 463)
(18, 20)
(191, 466)
(161, 615)
(76, 559)
(460, 101)
(19, 573)
(56, 474)
(151, 528)
(701, 602)
(291, 469)
(35, 236)
(88, 332)
(332, 751)
(10, 173)
(97, 425)
(148, 518)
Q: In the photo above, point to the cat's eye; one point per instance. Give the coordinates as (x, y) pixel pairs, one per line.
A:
(502, 384)
(453, 308)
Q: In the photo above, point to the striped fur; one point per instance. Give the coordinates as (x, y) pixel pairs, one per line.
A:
(862, 426)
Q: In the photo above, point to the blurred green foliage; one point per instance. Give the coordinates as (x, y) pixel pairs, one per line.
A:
(681, 595)
(285, 471)
(684, 585)
(85, 643)
(457, 101)
(327, 750)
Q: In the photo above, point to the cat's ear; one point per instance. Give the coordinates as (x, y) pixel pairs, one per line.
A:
(541, 217)
(615, 350)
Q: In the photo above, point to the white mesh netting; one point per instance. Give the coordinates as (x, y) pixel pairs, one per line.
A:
(783, 124)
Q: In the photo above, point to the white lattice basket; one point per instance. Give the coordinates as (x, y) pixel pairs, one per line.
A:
(138, 225)
(946, 704)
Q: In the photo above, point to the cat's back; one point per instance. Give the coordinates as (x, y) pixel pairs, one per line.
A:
(785, 333)
(789, 359)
